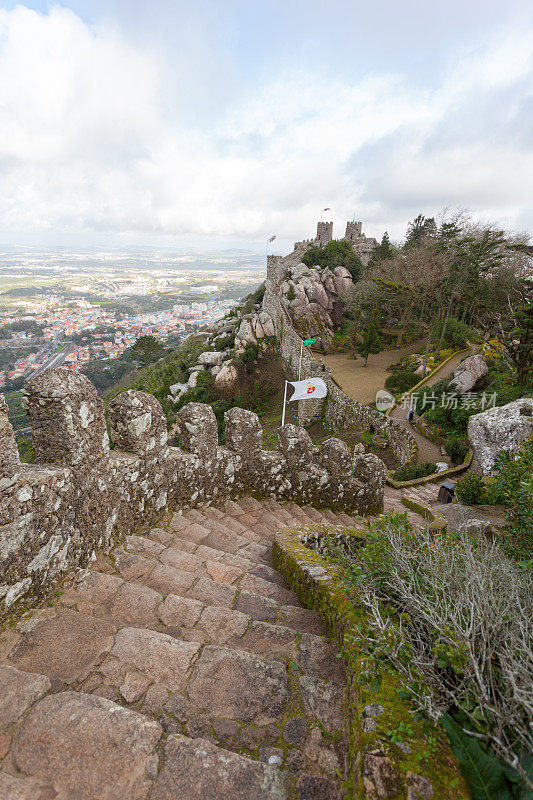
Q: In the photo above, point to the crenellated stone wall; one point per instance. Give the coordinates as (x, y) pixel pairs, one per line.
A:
(83, 494)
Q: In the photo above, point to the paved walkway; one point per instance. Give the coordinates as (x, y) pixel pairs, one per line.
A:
(427, 450)
(179, 666)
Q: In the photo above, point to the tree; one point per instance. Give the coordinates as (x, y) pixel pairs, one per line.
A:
(337, 253)
(515, 331)
(382, 252)
(147, 349)
(371, 340)
(420, 230)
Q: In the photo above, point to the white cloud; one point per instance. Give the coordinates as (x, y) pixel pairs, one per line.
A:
(90, 139)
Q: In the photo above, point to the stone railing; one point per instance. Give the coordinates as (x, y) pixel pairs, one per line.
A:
(338, 409)
(81, 495)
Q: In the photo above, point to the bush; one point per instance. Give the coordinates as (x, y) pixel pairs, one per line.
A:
(503, 382)
(513, 488)
(336, 253)
(401, 381)
(457, 448)
(471, 489)
(411, 472)
(224, 342)
(457, 333)
(452, 615)
(253, 299)
(248, 359)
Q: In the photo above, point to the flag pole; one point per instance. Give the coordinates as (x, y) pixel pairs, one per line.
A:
(300, 377)
(284, 402)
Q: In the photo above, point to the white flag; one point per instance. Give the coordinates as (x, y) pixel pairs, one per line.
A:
(310, 389)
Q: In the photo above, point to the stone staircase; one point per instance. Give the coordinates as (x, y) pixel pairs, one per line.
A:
(178, 666)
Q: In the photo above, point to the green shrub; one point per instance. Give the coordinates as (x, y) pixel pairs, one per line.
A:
(253, 299)
(513, 488)
(224, 342)
(401, 381)
(291, 294)
(457, 333)
(413, 471)
(451, 613)
(457, 448)
(248, 359)
(471, 489)
(336, 253)
(502, 381)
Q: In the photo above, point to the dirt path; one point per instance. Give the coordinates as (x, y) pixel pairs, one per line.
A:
(360, 382)
(428, 451)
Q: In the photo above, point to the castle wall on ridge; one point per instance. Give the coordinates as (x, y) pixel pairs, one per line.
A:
(83, 495)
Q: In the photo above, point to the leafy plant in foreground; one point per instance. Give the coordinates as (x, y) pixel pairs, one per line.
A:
(452, 615)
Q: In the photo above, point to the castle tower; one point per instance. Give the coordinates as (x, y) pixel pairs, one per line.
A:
(353, 230)
(324, 233)
(275, 270)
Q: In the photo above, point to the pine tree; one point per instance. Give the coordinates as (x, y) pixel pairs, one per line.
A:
(382, 252)
(371, 340)
(420, 230)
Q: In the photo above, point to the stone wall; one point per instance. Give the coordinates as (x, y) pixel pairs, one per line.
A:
(340, 410)
(83, 495)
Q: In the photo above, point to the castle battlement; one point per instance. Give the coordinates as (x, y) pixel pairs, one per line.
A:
(363, 245)
(84, 494)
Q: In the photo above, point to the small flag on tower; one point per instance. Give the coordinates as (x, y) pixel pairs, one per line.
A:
(326, 209)
(272, 238)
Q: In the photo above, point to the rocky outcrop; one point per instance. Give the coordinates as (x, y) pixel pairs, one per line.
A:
(498, 429)
(226, 377)
(468, 373)
(211, 359)
(253, 328)
(311, 295)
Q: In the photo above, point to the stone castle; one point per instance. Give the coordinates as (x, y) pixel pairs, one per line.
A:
(363, 245)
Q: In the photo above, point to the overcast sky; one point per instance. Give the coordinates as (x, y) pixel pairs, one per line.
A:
(221, 122)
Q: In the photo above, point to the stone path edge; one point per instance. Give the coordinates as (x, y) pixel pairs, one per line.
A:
(428, 377)
(435, 477)
(373, 759)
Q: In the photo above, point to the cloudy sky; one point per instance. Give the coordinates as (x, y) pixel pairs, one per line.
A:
(220, 122)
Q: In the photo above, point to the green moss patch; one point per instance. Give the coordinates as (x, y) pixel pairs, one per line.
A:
(413, 747)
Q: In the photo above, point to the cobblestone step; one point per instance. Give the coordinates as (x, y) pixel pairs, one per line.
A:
(189, 638)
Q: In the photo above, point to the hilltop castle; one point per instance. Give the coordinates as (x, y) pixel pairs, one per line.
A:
(363, 245)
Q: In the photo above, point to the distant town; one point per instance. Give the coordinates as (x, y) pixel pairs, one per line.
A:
(85, 311)
(59, 323)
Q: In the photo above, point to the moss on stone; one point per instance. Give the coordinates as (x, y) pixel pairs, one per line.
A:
(319, 586)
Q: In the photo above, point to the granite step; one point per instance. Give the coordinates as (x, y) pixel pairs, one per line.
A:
(190, 629)
(238, 699)
(81, 745)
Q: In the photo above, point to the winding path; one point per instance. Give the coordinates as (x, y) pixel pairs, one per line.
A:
(362, 383)
(427, 450)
